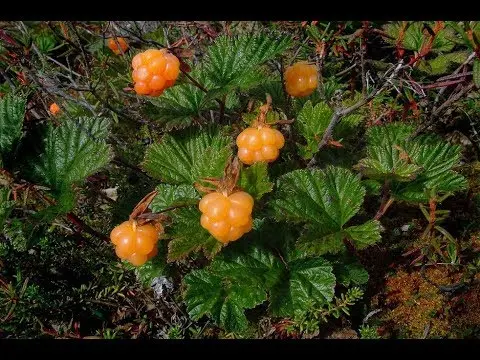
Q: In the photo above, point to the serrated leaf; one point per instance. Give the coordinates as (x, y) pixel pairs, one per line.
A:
(246, 263)
(386, 155)
(188, 236)
(235, 61)
(323, 199)
(436, 158)
(12, 112)
(305, 282)
(73, 151)
(224, 300)
(180, 104)
(476, 72)
(350, 272)
(255, 181)
(364, 235)
(187, 156)
(174, 195)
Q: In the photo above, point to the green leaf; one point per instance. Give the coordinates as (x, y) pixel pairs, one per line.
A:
(305, 282)
(222, 299)
(248, 262)
(386, 156)
(180, 104)
(73, 151)
(323, 199)
(174, 195)
(255, 181)
(436, 158)
(12, 112)
(188, 155)
(476, 72)
(189, 236)
(235, 61)
(350, 272)
(364, 235)
(311, 123)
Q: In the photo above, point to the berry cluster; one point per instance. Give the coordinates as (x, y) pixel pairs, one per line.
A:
(227, 218)
(117, 45)
(259, 144)
(154, 71)
(134, 243)
(301, 79)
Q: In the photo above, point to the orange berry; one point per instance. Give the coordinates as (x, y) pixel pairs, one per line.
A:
(137, 61)
(124, 230)
(301, 79)
(157, 83)
(269, 153)
(245, 155)
(54, 108)
(242, 199)
(118, 45)
(149, 230)
(205, 221)
(121, 253)
(280, 139)
(126, 245)
(157, 65)
(219, 229)
(137, 259)
(144, 244)
(253, 140)
(257, 156)
(172, 69)
(249, 226)
(142, 88)
(156, 70)
(238, 215)
(141, 74)
(209, 199)
(268, 136)
(235, 233)
(218, 210)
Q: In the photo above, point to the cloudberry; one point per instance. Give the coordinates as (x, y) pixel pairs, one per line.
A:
(135, 243)
(259, 144)
(118, 45)
(54, 108)
(227, 218)
(154, 71)
(301, 79)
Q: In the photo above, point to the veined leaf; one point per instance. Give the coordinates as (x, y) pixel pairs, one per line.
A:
(222, 299)
(305, 282)
(182, 103)
(188, 236)
(73, 151)
(436, 158)
(349, 271)
(323, 199)
(255, 181)
(235, 61)
(12, 112)
(174, 195)
(312, 121)
(188, 155)
(386, 155)
(364, 235)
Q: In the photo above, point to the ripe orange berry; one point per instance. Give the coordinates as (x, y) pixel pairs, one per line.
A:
(154, 71)
(259, 144)
(135, 243)
(117, 45)
(301, 79)
(227, 218)
(54, 108)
